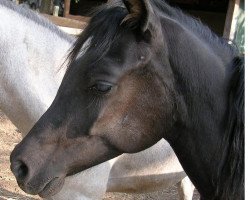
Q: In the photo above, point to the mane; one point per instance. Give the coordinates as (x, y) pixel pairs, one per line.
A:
(230, 176)
(35, 17)
(109, 19)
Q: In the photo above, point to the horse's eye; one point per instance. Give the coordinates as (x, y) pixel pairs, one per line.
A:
(102, 87)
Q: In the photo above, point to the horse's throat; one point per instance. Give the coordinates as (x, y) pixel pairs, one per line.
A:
(197, 160)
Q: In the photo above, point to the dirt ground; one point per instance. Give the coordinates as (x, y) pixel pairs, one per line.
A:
(9, 190)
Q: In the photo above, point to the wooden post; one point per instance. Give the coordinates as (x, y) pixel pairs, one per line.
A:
(66, 22)
(231, 19)
(66, 8)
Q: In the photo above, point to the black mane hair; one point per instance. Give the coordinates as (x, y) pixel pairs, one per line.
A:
(109, 18)
(230, 175)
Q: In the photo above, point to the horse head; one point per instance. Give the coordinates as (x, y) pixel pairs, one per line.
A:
(147, 72)
(110, 100)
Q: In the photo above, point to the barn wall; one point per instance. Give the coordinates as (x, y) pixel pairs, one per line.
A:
(214, 20)
(83, 7)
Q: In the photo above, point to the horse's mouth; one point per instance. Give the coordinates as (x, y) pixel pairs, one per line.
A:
(52, 187)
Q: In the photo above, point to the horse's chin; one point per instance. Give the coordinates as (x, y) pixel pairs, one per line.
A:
(52, 187)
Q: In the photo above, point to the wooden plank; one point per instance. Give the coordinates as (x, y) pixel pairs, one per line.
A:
(65, 22)
(232, 10)
(78, 17)
(71, 31)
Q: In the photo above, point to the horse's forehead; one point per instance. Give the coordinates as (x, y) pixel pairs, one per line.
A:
(123, 52)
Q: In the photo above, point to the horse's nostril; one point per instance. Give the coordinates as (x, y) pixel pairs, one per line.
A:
(20, 170)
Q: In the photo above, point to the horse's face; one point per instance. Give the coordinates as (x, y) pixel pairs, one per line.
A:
(104, 107)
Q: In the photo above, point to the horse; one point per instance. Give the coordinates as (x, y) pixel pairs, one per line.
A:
(29, 80)
(148, 72)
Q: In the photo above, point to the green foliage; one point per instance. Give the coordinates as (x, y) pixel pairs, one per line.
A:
(240, 28)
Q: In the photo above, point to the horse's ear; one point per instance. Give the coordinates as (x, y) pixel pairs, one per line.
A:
(140, 15)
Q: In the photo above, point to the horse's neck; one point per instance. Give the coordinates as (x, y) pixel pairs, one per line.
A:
(202, 31)
(201, 82)
(30, 58)
(199, 137)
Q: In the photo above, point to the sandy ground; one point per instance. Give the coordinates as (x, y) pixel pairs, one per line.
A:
(9, 190)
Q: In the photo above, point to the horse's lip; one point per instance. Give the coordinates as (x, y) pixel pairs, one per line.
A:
(52, 187)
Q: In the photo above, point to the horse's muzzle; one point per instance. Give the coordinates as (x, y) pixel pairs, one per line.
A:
(31, 182)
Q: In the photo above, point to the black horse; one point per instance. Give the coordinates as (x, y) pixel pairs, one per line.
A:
(148, 72)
